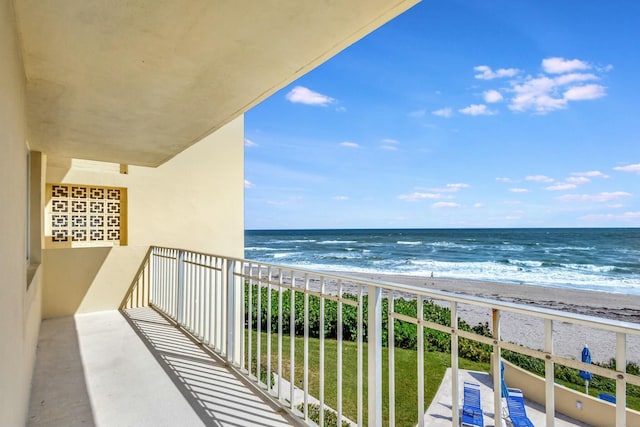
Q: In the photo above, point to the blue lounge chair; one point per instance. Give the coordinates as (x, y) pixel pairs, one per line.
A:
(471, 407)
(517, 411)
(607, 397)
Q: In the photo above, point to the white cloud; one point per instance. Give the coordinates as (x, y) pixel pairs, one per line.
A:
(505, 179)
(562, 187)
(451, 188)
(542, 94)
(443, 112)
(349, 144)
(303, 95)
(445, 205)
(625, 217)
(591, 174)
(586, 92)
(340, 198)
(558, 65)
(566, 79)
(477, 110)
(629, 168)
(248, 184)
(478, 205)
(415, 196)
(578, 180)
(595, 198)
(249, 143)
(535, 94)
(486, 73)
(389, 144)
(518, 190)
(539, 178)
(457, 186)
(492, 96)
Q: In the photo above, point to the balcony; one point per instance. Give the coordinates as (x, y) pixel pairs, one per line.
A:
(193, 345)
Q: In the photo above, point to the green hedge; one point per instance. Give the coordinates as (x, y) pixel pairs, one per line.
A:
(405, 334)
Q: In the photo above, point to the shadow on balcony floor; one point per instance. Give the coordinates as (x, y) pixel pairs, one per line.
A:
(219, 396)
(135, 368)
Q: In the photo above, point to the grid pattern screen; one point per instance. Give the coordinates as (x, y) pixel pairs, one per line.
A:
(81, 215)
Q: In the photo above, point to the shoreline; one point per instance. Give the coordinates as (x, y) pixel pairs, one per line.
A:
(569, 339)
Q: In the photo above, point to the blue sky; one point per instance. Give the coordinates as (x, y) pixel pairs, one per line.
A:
(459, 114)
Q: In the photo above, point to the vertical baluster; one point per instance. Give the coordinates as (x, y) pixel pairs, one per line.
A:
(455, 380)
(374, 357)
(180, 288)
(549, 374)
(194, 294)
(207, 296)
(306, 348)
(322, 291)
(259, 321)
(420, 361)
(339, 355)
(360, 359)
(292, 336)
(218, 304)
(201, 304)
(250, 318)
(621, 383)
(497, 372)
(223, 305)
(280, 281)
(240, 329)
(392, 364)
(153, 295)
(269, 276)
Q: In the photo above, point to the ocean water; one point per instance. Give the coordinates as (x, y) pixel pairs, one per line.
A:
(591, 259)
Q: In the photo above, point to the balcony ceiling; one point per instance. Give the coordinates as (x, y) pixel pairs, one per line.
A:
(139, 81)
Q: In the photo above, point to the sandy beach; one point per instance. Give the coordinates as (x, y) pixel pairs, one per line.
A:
(569, 339)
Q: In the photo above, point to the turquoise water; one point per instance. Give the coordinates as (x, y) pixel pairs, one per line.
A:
(593, 259)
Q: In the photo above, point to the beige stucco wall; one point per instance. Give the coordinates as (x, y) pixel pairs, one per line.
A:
(576, 405)
(195, 201)
(19, 305)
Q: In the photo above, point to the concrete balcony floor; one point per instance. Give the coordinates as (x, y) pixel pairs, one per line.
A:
(136, 369)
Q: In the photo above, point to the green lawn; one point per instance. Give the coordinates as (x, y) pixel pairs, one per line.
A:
(406, 379)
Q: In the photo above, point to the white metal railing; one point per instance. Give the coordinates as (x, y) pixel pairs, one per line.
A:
(219, 300)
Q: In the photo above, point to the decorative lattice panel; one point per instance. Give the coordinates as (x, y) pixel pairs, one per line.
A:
(81, 215)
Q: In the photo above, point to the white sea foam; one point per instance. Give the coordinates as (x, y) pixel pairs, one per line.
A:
(283, 255)
(261, 248)
(294, 241)
(408, 243)
(337, 242)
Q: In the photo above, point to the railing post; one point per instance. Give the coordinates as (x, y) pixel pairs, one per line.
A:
(621, 383)
(374, 334)
(234, 322)
(550, 401)
(180, 288)
(497, 373)
(455, 377)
